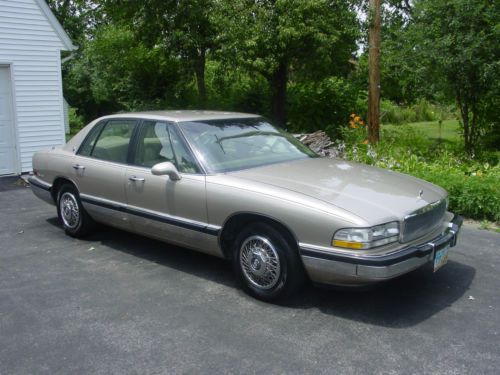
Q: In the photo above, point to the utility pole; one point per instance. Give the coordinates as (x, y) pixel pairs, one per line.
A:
(374, 72)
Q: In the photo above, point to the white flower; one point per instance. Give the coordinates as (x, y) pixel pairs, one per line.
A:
(371, 152)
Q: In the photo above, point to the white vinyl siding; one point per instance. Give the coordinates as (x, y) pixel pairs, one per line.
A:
(31, 46)
(66, 116)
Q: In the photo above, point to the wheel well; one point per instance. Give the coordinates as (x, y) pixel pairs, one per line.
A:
(236, 222)
(60, 181)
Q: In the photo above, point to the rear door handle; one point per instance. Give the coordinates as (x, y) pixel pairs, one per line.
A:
(78, 166)
(139, 179)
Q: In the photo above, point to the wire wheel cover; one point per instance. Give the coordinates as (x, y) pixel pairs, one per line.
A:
(260, 262)
(70, 213)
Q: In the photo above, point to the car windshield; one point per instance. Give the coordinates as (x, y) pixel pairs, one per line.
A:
(234, 144)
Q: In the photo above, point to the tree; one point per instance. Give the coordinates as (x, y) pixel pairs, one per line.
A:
(116, 71)
(181, 28)
(78, 17)
(277, 38)
(457, 40)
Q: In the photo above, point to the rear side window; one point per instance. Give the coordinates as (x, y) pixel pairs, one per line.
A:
(113, 141)
(89, 142)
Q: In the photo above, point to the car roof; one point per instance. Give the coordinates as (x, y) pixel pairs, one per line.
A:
(183, 115)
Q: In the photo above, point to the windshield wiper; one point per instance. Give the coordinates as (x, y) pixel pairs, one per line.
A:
(219, 143)
(249, 134)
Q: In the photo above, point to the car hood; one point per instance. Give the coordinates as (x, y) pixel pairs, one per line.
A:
(371, 193)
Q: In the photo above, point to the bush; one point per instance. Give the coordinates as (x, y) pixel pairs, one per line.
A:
(473, 185)
(76, 122)
(317, 105)
(422, 110)
(235, 90)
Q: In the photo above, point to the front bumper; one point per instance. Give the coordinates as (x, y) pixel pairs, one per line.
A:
(326, 266)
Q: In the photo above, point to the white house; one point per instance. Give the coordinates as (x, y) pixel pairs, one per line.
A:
(31, 100)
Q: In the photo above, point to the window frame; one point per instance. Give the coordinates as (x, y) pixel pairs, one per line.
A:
(102, 124)
(97, 128)
(170, 125)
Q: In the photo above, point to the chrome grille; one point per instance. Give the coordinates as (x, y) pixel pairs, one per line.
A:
(423, 220)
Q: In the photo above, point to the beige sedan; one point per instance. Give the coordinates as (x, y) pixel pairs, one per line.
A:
(234, 186)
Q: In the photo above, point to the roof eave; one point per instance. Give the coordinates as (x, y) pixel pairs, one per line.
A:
(65, 39)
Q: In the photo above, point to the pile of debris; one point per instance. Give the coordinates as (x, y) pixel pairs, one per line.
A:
(320, 143)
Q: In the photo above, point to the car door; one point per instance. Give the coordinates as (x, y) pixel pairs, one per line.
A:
(170, 210)
(99, 169)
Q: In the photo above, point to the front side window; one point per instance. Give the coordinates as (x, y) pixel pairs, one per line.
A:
(158, 142)
(112, 144)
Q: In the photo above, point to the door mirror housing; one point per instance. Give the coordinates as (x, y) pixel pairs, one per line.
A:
(166, 168)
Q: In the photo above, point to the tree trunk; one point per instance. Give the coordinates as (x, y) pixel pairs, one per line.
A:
(278, 82)
(200, 79)
(473, 130)
(464, 113)
(374, 72)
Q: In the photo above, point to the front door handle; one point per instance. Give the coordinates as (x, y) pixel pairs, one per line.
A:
(78, 166)
(134, 178)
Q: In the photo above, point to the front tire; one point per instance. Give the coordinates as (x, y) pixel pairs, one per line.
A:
(74, 219)
(267, 263)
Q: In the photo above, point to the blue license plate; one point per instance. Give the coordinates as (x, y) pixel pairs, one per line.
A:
(441, 257)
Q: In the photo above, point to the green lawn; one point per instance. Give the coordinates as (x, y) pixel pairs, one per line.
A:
(449, 131)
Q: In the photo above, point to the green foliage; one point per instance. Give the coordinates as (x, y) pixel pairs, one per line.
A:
(115, 71)
(294, 59)
(235, 90)
(421, 111)
(183, 30)
(447, 132)
(473, 185)
(458, 42)
(76, 122)
(287, 41)
(236, 55)
(316, 105)
(391, 113)
(125, 71)
(259, 35)
(443, 51)
(79, 17)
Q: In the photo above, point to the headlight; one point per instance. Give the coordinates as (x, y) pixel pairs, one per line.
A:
(366, 238)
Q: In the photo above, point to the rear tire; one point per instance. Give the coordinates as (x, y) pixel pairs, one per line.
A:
(75, 221)
(266, 263)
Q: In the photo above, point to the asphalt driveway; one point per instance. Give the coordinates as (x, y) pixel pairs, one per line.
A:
(121, 303)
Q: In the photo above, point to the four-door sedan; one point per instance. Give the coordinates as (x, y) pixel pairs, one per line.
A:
(235, 186)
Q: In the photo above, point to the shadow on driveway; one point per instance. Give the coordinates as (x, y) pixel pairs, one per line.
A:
(401, 303)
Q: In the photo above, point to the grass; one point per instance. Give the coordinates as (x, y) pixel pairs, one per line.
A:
(450, 130)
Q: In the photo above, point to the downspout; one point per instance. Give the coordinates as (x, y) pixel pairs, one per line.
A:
(67, 58)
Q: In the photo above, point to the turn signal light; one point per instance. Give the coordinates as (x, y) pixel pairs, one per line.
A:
(348, 244)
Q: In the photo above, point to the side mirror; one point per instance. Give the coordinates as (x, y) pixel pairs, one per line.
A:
(166, 168)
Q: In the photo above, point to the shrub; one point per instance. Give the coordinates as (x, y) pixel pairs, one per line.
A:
(422, 110)
(316, 105)
(235, 90)
(76, 122)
